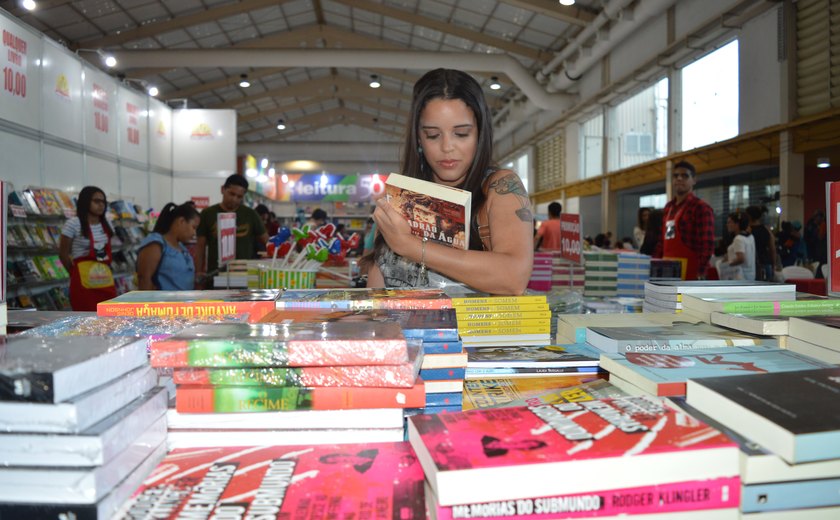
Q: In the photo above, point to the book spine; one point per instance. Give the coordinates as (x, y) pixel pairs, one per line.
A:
(509, 371)
(510, 330)
(780, 307)
(33, 387)
(445, 347)
(255, 310)
(352, 376)
(449, 334)
(499, 324)
(445, 399)
(431, 374)
(493, 308)
(699, 495)
(672, 347)
(504, 315)
(498, 300)
(236, 399)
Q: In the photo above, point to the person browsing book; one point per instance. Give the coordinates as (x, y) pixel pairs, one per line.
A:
(164, 263)
(449, 141)
(85, 251)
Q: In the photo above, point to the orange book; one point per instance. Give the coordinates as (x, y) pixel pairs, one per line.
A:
(254, 303)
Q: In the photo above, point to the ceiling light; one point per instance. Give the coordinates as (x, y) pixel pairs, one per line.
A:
(281, 125)
(567, 2)
(243, 81)
(823, 162)
(108, 59)
(494, 83)
(264, 163)
(153, 91)
(251, 173)
(29, 5)
(374, 81)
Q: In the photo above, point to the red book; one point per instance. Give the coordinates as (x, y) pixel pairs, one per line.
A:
(516, 453)
(234, 399)
(381, 480)
(254, 303)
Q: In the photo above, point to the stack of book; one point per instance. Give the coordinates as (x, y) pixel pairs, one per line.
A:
(82, 425)
(542, 272)
(791, 463)
(567, 274)
(240, 274)
(619, 456)
(674, 338)
(667, 295)
(600, 274)
(444, 361)
(530, 361)
(496, 321)
(815, 336)
(665, 269)
(376, 480)
(252, 303)
(355, 299)
(571, 328)
(505, 392)
(256, 369)
(633, 272)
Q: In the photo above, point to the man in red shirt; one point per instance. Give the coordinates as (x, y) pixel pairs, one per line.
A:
(548, 234)
(688, 225)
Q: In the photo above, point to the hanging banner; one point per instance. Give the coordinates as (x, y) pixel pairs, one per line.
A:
(832, 211)
(20, 64)
(571, 237)
(226, 227)
(322, 187)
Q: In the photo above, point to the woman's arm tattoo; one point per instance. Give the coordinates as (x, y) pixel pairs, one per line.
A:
(512, 184)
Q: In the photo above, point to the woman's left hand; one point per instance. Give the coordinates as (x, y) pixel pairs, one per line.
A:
(393, 226)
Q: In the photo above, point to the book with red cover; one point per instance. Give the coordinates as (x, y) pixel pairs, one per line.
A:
(306, 344)
(236, 399)
(344, 299)
(377, 480)
(434, 211)
(518, 452)
(256, 303)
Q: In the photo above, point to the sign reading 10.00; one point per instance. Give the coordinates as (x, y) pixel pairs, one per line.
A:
(570, 237)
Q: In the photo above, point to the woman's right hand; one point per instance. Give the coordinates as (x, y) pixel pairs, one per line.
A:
(393, 227)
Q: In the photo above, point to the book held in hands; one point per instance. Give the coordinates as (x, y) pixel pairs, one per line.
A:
(434, 211)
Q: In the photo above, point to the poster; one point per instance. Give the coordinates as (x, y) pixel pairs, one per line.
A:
(571, 237)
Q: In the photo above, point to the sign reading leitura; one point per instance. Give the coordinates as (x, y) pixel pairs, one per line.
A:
(306, 187)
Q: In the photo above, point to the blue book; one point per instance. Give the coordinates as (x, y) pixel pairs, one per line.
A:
(442, 347)
(802, 494)
(665, 373)
(441, 374)
(796, 415)
(445, 399)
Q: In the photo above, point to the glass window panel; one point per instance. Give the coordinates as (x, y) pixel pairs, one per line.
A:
(710, 98)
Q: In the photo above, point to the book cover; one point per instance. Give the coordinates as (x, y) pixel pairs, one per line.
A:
(344, 299)
(403, 375)
(532, 371)
(573, 326)
(665, 374)
(52, 370)
(376, 418)
(577, 355)
(92, 447)
(257, 302)
(434, 211)
(679, 336)
(512, 453)
(699, 495)
(213, 439)
(303, 344)
(236, 399)
(756, 304)
(794, 414)
(373, 480)
(425, 324)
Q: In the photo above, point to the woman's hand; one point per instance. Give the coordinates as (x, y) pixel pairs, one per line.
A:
(393, 227)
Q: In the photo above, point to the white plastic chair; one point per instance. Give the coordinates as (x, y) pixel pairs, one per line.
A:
(796, 272)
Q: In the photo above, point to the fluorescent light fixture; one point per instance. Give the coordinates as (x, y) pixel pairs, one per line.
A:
(264, 163)
(374, 81)
(567, 2)
(281, 125)
(251, 173)
(243, 81)
(823, 162)
(108, 59)
(29, 5)
(779, 210)
(153, 91)
(272, 172)
(284, 178)
(494, 83)
(262, 177)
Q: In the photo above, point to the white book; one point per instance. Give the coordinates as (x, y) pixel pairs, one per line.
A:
(815, 351)
(715, 286)
(374, 418)
(762, 325)
(224, 438)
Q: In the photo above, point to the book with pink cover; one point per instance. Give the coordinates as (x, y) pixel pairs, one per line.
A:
(515, 453)
(381, 480)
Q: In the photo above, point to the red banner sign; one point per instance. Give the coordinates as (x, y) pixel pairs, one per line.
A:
(226, 225)
(571, 237)
(200, 202)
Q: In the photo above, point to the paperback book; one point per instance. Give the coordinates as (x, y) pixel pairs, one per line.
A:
(377, 418)
(664, 374)
(434, 211)
(794, 414)
(504, 391)
(678, 337)
(304, 344)
(348, 299)
(577, 355)
(515, 453)
(819, 330)
(256, 303)
(715, 286)
(532, 371)
(760, 325)
(572, 327)
(52, 370)
(348, 481)
(771, 304)
(213, 439)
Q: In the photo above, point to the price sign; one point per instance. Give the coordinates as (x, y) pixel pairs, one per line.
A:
(832, 202)
(571, 237)
(226, 229)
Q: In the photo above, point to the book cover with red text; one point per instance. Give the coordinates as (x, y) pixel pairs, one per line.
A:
(256, 303)
(376, 480)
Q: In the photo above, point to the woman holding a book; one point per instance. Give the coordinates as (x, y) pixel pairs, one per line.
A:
(449, 142)
(164, 263)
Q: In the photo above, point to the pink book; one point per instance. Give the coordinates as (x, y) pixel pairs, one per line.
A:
(696, 495)
(381, 480)
(516, 453)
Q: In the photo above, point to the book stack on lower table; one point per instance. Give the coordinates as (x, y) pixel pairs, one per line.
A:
(82, 425)
(667, 295)
(566, 274)
(601, 274)
(542, 271)
(605, 458)
(497, 321)
(531, 361)
(633, 272)
(788, 425)
(505, 392)
(816, 336)
(260, 372)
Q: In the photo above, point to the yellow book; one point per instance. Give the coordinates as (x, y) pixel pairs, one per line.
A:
(503, 324)
(505, 332)
(506, 307)
(498, 300)
(503, 315)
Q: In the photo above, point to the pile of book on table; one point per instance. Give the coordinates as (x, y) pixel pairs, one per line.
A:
(600, 273)
(81, 425)
(237, 383)
(669, 295)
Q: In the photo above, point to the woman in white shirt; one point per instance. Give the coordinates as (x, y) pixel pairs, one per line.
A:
(739, 262)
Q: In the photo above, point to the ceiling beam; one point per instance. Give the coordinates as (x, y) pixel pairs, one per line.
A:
(221, 83)
(153, 29)
(281, 110)
(446, 28)
(573, 15)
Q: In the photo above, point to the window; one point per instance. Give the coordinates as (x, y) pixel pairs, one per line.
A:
(657, 201)
(592, 146)
(520, 166)
(710, 98)
(638, 127)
